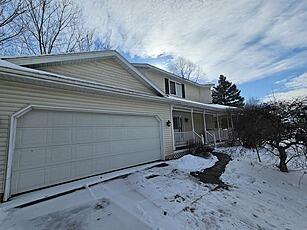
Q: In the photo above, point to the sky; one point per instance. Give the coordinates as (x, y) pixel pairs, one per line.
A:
(259, 45)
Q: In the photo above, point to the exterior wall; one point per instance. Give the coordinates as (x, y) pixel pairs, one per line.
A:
(14, 96)
(206, 94)
(155, 77)
(106, 72)
(192, 91)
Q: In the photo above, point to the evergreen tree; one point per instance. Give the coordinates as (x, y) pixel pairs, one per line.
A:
(226, 93)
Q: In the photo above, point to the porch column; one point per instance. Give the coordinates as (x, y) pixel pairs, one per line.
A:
(192, 120)
(218, 126)
(205, 127)
(231, 121)
(228, 121)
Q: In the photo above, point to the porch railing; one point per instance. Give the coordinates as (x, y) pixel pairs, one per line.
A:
(199, 138)
(224, 134)
(190, 137)
(183, 138)
(210, 138)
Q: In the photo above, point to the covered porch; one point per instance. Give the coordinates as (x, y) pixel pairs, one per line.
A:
(192, 126)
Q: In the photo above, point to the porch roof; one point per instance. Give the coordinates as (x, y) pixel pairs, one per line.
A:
(195, 104)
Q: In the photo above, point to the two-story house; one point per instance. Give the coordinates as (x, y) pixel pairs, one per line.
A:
(65, 117)
(194, 116)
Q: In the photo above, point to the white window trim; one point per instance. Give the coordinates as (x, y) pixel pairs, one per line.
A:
(169, 86)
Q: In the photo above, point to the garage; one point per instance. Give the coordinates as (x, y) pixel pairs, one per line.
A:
(56, 146)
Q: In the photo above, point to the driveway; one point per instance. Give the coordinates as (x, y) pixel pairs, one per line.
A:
(135, 201)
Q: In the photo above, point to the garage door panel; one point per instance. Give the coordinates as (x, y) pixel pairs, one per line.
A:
(82, 168)
(58, 136)
(29, 179)
(102, 133)
(35, 120)
(29, 137)
(30, 158)
(101, 148)
(82, 151)
(82, 134)
(143, 132)
(59, 154)
(59, 173)
(119, 133)
(60, 119)
(64, 146)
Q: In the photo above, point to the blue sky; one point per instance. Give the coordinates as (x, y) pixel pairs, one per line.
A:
(259, 45)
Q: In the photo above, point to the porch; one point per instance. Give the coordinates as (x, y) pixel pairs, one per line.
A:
(195, 126)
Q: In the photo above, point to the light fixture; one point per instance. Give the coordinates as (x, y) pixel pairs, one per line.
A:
(168, 123)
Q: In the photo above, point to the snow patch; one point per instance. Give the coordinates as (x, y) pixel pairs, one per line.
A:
(191, 163)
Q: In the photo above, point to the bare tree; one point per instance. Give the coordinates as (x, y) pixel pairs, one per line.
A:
(10, 11)
(54, 26)
(185, 69)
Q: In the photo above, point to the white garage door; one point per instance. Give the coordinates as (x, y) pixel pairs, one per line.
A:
(52, 147)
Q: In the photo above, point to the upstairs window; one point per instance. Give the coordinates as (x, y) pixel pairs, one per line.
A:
(176, 88)
(172, 87)
(179, 89)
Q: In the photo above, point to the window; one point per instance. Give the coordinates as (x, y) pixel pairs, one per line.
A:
(177, 89)
(172, 87)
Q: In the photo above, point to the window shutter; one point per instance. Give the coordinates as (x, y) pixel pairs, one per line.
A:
(183, 91)
(166, 86)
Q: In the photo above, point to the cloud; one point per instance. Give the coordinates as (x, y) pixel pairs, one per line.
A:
(292, 88)
(245, 40)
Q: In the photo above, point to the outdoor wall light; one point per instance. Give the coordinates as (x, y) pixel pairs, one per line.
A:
(186, 119)
(168, 123)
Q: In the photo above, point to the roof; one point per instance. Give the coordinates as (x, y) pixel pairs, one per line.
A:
(48, 59)
(216, 107)
(11, 71)
(15, 68)
(171, 75)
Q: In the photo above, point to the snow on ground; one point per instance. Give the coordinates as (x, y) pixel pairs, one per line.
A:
(260, 197)
(189, 163)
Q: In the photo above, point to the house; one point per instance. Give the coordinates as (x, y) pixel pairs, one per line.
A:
(69, 116)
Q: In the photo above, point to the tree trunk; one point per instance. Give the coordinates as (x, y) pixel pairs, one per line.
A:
(259, 159)
(282, 160)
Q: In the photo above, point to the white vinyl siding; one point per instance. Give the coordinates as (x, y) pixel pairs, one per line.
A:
(107, 72)
(192, 92)
(14, 96)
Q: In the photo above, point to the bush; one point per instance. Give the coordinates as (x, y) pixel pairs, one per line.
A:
(279, 124)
